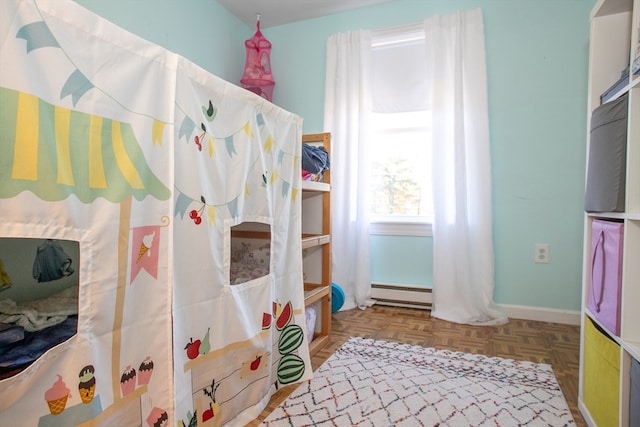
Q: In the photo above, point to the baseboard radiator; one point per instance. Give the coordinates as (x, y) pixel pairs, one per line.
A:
(401, 295)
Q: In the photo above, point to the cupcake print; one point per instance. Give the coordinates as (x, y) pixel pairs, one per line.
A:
(128, 380)
(145, 371)
(158, 418)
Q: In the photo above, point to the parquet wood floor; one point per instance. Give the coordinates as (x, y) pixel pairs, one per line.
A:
(541, 342)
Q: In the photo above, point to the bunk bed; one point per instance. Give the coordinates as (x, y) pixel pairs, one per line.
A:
(148, 162)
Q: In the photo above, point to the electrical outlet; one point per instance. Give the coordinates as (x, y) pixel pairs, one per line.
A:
(541, 253)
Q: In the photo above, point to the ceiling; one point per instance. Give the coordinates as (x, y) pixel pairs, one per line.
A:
(278, 12)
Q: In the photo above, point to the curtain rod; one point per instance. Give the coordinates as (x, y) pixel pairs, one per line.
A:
(413, 27)
(397, 34)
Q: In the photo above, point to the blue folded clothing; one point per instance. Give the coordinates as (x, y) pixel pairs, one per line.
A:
(10, 333)
(315, 159)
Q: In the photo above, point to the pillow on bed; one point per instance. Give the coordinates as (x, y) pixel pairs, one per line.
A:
(259, 255)
(239, 251)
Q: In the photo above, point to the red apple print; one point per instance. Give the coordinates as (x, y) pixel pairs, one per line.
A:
(256, 363)
(193, 348)
(208, 414)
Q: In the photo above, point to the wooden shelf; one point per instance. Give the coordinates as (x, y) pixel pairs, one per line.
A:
(319, 341)
(311, 240)
(317, 233)
(310, 187)
(314, 292)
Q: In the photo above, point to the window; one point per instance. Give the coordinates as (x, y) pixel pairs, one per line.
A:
(401, 181)
(401, 190)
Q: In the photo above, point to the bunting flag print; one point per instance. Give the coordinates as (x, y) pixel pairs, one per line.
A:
(37, 35)
(76, 86)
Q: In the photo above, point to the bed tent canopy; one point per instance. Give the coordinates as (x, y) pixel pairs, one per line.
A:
(114, 142)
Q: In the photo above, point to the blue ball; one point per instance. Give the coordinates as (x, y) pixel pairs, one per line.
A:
(337, 297)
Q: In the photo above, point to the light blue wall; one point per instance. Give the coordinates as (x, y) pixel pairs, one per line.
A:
(200, 30)
(402, 260)
(537, 70)
(537, 53)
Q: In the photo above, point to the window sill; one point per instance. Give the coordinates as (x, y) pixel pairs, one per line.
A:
(397, 228)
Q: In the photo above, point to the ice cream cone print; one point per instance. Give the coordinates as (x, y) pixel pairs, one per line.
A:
(57, 396)
(143, 250)
(87, 384)
(57, 406)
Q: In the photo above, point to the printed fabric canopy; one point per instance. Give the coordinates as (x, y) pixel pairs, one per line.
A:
(148, 161)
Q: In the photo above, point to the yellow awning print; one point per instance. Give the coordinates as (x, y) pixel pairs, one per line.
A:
(54, 152)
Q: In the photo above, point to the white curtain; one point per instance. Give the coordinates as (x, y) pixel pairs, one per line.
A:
(463, 277)
(347, 106)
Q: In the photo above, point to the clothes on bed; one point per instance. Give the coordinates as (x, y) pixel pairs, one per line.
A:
(5, 280)
(51, 262)
(39, 314)
(41, 324)
(35, 344)
(10, 333)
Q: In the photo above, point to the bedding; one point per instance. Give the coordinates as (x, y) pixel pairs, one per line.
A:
(43, 313)
(248, 262)
(46, 323)
(17, 356)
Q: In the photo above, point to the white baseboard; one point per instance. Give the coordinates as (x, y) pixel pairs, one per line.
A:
(541, 314)
(416, 296)
(585, 414)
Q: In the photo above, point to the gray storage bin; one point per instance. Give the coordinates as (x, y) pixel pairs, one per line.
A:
(607, 157)
(634, 395)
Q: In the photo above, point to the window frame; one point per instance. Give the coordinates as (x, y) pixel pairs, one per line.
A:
(399, 225)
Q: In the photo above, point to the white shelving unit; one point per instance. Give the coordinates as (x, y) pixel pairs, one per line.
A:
(316, 242)
(614, 43)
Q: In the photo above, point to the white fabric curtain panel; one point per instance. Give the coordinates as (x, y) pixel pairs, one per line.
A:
(463, 276)
(347, 106)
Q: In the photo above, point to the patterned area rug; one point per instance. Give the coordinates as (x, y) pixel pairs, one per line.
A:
(377, 383)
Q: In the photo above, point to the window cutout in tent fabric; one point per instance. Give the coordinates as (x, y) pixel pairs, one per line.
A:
(36, 316)
(250, 252)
